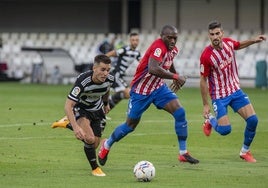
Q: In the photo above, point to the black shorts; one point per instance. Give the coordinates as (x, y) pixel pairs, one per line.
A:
(95, 119)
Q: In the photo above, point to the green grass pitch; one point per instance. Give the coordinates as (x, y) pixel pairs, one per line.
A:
(34, 155)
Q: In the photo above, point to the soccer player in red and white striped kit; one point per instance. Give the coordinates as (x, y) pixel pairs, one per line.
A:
(219, 78)
(148, 87)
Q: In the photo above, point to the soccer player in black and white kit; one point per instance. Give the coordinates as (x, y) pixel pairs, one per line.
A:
(125, 57)
(85, 105)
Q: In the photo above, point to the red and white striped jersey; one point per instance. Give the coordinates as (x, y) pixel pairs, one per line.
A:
(143, 82)
(219, 65)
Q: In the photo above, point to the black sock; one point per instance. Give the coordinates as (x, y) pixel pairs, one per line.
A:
(91, 155)
(69, 126)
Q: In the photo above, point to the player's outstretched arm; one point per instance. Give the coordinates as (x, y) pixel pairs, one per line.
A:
(246, 43)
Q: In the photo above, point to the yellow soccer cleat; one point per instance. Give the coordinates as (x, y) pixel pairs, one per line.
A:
(63, 122)
(98, 172)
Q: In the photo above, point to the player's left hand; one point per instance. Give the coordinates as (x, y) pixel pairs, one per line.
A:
(260, 38)
(176, 85)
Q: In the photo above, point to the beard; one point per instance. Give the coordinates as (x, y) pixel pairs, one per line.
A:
(216, 43)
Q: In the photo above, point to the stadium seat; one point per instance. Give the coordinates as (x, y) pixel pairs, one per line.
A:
(83, 47)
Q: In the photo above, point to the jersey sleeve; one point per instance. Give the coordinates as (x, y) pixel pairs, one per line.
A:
(204, 64)
(75, 91)
(235, 44)
(158, 50)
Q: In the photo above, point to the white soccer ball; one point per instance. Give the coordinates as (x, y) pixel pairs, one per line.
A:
(144, 171)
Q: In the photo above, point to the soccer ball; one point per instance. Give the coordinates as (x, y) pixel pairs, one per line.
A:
(144, 171)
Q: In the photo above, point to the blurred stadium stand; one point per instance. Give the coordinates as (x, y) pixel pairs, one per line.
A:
(82, 47)
(82, 28)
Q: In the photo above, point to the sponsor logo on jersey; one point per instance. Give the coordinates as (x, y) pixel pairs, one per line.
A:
(75, 91)
(157, 52)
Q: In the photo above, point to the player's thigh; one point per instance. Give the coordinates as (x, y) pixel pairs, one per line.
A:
(165, 99)
(84, 123)
(221, 111)
(241, 104)
(246, 111)
(224, 120)
(172, 106)
(137, 105)
(96, 128)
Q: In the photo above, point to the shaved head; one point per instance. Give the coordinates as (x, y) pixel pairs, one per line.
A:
(167, 29)
(169, 35)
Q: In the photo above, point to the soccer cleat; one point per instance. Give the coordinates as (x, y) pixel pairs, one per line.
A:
(63, 122)
(103, 154)
(248, 157)
(98, 172)
(188, 158)
(207, 128)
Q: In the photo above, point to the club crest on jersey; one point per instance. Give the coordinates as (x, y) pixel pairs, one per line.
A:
(75, 91)
(157, 52)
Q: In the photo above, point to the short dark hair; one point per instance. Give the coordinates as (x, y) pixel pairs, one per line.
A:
(102, 58)
(133, 34)
(214, 24)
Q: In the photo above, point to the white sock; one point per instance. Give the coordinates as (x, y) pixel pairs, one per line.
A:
(182, 152)
(243, 150)
(106, 145)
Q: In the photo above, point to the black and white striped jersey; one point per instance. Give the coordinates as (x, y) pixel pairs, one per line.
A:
(88, 94)
(126, 56)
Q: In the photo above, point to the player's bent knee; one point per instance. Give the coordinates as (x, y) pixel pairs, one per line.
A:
(224, 130)
(252, 122)
(86, 145)
(90, 140)
(179, 114)
(96, 145)
(180, 123)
